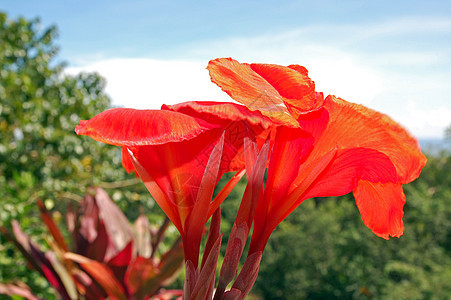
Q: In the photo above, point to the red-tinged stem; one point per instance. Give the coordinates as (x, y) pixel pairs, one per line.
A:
(205, 281)
(243, 221)
(219, 292)
(232, 294)
(259, 242)
(220, 197)
(248, 274)
(191, 275)
(213, 234)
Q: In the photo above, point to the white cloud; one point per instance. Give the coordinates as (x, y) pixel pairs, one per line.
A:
(148, 83)
(430, 123)
(380, 79)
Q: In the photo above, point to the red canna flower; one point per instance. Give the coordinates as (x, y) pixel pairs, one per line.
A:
(181, 157)
(323, 147)
(177, 157)
(317, 147)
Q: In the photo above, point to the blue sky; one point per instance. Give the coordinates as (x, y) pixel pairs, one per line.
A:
(393, 56)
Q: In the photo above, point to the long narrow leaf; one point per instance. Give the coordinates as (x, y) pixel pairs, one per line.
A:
(139, 277)
(191, 275)
(39, 260)
(97, 249)
(116, 224)
(101, 273)
(63, 274)
(21, 290)
(25, 252)
(254, 187)
(53, 229)
(88, 226)
(143, 238)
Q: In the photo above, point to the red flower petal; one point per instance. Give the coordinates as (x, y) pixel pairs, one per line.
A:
(160, 195)
(126, 161)
(381, 207)
(291, 147)
(197, 218)
(247, 87)
(237, 121)
(131, 127)
(177, 169)
(221, 113)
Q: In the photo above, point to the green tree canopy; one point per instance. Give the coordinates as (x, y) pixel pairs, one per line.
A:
(39, 108)
(40, 154)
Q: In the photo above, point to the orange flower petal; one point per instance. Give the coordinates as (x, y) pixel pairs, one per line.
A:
(381, 207)
(352, 125)
(347, 168)
(247, 87)
(131, 127)
(293, 84)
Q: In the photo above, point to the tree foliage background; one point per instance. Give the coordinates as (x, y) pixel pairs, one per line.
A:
(41, 157)
(322, 251)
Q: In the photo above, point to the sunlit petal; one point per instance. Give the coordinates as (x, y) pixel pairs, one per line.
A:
(352, 125)
(247, 87)
(126, 161)
(237, 121)
(347, 168)
(293, 84)
(131, 127)
(381, 207)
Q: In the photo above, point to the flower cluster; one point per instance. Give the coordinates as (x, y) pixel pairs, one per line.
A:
(309, 145)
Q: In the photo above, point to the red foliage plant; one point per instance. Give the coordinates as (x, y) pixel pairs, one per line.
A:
(311, 146)
(108, 257)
